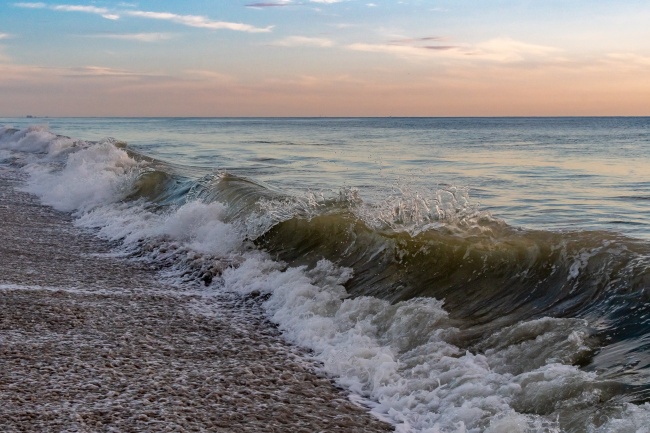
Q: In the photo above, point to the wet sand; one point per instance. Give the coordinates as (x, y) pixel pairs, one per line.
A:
(90, 342)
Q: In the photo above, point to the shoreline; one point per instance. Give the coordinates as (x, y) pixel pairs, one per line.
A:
(91, 342)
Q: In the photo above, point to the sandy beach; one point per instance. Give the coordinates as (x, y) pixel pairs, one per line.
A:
(91, 342)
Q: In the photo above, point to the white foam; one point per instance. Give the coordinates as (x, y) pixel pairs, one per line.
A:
(91, 177)
(633, 419)
(398, 355)
(34, 139)
(195, 225)
(402, 357)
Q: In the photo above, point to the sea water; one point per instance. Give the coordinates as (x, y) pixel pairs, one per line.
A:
(458, 274)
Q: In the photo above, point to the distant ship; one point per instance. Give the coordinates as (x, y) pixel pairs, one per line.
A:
(29, 116)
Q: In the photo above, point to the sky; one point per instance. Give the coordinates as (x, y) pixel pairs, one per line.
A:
(325, 58)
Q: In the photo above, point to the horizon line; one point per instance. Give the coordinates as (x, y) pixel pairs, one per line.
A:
(331, 117)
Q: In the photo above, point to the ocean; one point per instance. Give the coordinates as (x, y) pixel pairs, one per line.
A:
(455, 274)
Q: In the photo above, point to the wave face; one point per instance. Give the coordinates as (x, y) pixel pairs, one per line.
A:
(442, 317)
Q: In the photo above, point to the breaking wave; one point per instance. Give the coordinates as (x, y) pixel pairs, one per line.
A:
(443, 317)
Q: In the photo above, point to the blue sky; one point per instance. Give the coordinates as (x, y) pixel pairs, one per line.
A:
(324, 57)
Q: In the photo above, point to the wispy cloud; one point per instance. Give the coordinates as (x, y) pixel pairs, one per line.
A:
(508, 50)
(208, 75)
(139, 37)
(31, 5)
(102, 71)
(424, 43)
(407, 51)
(104, 12)
(302, 41)
(410, 41)
(502, 50)
(3, 57)
(440, 47)
(278, 3)
(630, 60)
(268, 4)
(87, 9)
(38, 75)
(187, 20)
(198, 21)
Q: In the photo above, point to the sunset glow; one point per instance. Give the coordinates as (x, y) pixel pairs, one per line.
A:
(324, 58)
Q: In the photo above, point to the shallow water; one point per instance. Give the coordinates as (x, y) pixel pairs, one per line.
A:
(463, 274)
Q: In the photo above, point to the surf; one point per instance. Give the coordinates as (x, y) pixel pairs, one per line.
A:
(442, 316)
